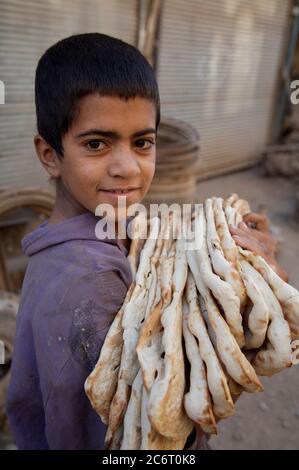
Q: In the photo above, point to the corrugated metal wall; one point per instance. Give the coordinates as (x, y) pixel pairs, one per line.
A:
(218, 69)
(27, 29)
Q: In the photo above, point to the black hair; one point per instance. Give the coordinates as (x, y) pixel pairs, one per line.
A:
(82, 64)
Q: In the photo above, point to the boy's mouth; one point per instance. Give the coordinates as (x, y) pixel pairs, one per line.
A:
(120, 191)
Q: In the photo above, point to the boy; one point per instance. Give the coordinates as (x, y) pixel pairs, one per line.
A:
(98, 111)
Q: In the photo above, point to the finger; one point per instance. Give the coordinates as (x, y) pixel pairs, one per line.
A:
(265, 242)
(255, 217)
(260, 220)
(244, 227)
(247, 244)
(265, 238)
(237, 230)
(241, 233)
(253, 245)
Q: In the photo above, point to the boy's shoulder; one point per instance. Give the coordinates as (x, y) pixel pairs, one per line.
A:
(71, 292)
(71, 271)
(74, 242)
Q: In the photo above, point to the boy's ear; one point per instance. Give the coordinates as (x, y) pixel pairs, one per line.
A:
(47, 156)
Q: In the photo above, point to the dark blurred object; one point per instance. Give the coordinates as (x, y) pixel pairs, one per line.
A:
(287, 74)
(9, 304)
(20, 212)
(282, 160)
(290, 131)
(149, 20)
(177, 155)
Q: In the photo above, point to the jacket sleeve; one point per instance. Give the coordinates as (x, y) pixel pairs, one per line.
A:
(78, 330)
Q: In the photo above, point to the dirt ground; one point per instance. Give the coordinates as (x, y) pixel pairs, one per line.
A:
(269, 420)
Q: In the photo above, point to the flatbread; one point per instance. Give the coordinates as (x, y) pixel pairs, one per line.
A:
(242, 207)
(197, 400)
(222, 401)
(138, 230)
(258, 317)
(149, 347)
(230, 249)
(116, 440)
(133, 316)
(221, 290)
(277, 355)
(132, 420)
(165, 408)
(101, 384)
(230, 200)
(233, 217)
(151, 439)
(227, 272)
(287, 295)
(228, 350)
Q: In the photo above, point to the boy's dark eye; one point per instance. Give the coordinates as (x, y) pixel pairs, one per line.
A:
(144, 144)
(95, 145)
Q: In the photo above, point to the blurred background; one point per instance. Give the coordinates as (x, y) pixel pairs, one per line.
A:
(224, 68)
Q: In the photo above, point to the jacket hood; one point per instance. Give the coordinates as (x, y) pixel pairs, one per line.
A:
(80, 227)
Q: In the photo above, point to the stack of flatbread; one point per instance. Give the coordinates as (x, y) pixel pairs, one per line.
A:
(198, 326)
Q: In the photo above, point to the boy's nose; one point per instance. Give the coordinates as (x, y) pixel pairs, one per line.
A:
(124, 164)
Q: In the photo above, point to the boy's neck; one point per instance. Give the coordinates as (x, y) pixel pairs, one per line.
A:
(66, 207)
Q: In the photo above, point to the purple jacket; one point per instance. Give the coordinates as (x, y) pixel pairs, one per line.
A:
(73, 287)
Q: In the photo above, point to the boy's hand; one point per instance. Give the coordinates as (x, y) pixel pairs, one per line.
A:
(254, 234)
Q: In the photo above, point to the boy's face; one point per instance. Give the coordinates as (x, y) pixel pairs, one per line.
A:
(110, 147)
